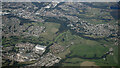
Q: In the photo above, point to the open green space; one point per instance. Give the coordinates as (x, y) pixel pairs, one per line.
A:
(87, 48)
(50, 30)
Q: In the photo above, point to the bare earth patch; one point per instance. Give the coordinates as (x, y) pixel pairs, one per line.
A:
(88, 63)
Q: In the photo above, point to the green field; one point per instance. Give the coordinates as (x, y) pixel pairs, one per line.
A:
(51, 29)
(87, 48)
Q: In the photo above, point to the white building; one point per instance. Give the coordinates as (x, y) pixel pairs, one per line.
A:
(40, 49)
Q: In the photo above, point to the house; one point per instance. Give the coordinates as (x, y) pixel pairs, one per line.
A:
(23, 57)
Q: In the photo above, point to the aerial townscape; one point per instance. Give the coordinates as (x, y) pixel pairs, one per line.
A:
(60, 33)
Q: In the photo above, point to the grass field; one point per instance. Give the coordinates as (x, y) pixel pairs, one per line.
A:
(82, 46)
(87, 48)
(51, 29)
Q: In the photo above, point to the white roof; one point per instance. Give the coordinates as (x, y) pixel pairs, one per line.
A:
(40, 47)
